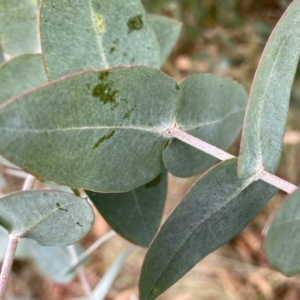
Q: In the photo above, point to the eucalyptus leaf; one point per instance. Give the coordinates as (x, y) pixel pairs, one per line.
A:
(218, 206)
(135, 215)
(20, 74)
(212, 109)
(95, 34)
(52, 260)
(269, 97)
(98, 130)
(283, 238)
(18, 26)
(49, 217)
(167, 32)
(1, 56)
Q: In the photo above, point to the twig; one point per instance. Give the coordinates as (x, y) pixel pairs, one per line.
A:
(28, 183)
(90, 250)
(7, 264)
(81, 274)
(222, 155)
(12, 247)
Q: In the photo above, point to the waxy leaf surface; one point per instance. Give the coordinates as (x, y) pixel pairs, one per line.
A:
(167, 32)
(135, 215)
(1, 55)
(49, 217)
(212, 109)
(103, 131)
(269, 97)
(80, 35)
(283, 238)
(21, 74)
(217, 207)
(19, 26)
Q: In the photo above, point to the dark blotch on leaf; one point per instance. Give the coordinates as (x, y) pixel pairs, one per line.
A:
(60, 208)
(154, 182)
(104, 92)
(104, 138)
(103, 75)
(135, 23)
(113, 46)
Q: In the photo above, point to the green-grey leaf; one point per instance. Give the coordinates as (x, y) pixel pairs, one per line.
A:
(269, 97)
(102, 131)
(135, 215)
(212, 109)
(217, 208)
(21, 74)
(49, 217)
(80, 35)
(167, 32)
(52, 260)
(18, 26)
(1, 55)
(22, 252)
(283, 238)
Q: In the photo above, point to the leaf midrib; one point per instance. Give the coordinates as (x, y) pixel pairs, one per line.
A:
(21, 233)
(99, 42)
(147, 129)
(214, 121)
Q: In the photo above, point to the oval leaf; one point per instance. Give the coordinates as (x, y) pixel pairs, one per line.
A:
(20, 74)
(167, 32)
(96, 35)
(18, 26)
(269, 97)
(212, 110)
(135, 215)
(283, 238)
(102, 131)
(216, 208)
(49, 217)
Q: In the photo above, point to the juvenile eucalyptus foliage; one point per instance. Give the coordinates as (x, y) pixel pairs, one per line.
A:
(91, 110)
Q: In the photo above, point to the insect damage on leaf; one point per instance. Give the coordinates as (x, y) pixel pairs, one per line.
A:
(135, 23)
(104, 91)
(104, 138)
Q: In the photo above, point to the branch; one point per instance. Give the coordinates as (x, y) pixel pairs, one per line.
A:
(222, 155)
(81, 274)
(12, 247)
(7, 264)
